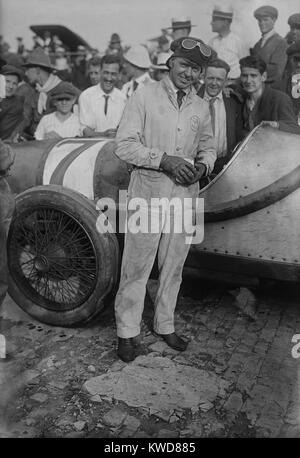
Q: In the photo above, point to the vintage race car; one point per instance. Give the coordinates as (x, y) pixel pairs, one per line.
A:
(64, 270)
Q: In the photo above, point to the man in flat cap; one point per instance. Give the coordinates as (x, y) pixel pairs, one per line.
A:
(227, 44)
(294, 23)
(64, 122)
(166, 134)
(271, 47)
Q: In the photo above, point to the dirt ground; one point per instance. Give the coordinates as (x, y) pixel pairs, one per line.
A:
(239, 376)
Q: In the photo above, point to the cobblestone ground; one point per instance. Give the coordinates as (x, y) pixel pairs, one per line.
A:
(244, 379)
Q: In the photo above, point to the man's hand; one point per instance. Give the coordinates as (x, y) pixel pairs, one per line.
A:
(180, 169)
(110, 133)
(201, 169)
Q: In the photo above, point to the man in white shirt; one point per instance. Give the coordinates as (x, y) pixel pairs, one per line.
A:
(227, 44)
(101, 106)
(137, 63)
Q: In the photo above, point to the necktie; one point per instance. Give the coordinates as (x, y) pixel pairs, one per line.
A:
(212, 113)
(180, 95)
(135, 85)
(106, 103)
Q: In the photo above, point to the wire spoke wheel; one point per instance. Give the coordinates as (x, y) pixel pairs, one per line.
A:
(53, 259)
(62, 269)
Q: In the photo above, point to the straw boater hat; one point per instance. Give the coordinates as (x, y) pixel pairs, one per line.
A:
(222, 13)
(180, 23)
(138, 56)
(38, 58)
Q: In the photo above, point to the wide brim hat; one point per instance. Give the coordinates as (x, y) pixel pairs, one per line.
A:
(269, 11)
(38, 58)
(138, 56)
(199, 55)
(294, 19)
(180, 23)
(66, 90)
(162, 59)
(12, 70)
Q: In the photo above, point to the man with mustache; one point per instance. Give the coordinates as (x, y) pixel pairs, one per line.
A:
(166, 134)
(101, 106)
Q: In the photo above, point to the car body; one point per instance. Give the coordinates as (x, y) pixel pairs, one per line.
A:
(251, 221)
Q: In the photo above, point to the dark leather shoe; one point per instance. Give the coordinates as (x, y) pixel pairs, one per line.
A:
(174, 341)
(125, 350)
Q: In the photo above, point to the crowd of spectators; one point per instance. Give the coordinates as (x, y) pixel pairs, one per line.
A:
(31, 86)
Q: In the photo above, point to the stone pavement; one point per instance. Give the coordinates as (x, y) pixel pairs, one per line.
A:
(238, 378)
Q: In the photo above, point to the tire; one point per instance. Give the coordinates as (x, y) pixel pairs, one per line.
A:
(62, 270)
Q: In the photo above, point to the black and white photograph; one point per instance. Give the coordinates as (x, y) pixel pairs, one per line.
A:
(149, 218)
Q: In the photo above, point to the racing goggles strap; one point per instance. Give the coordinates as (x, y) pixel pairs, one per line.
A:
(190, 43)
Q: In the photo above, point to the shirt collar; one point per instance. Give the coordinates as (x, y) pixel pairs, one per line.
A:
(111, 94)
(268, 35)
(171, 86)
(207, 97)
(142, 78)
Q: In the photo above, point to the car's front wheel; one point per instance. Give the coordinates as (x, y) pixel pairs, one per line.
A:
(62, 269)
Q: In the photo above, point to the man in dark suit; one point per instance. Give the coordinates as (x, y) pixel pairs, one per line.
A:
(262, 103)
(225, 111)
(271, 47)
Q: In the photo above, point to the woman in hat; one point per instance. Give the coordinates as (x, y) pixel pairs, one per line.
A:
(64, 122)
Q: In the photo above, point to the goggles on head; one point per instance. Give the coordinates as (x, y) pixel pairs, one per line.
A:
(190, 43)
